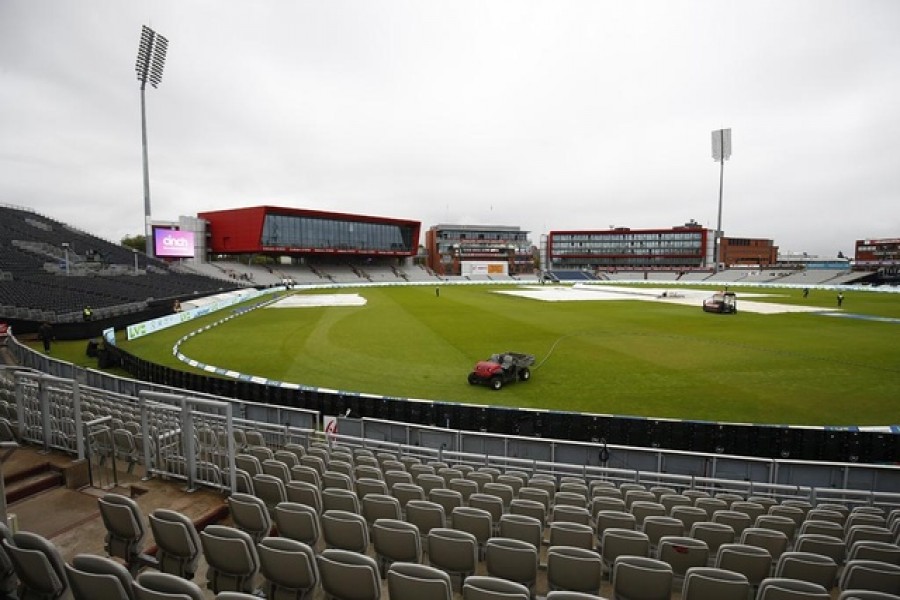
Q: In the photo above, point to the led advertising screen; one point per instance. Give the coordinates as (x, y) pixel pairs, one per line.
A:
(172, 243)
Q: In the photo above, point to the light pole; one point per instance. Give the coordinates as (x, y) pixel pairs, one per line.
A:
(151, 59)
(65, 246)
(135, 260)
(721, 151)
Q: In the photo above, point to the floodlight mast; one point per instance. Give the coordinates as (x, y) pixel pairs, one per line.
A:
(721, 151)
(151, 59)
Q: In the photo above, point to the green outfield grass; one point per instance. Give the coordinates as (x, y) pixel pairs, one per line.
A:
(614, 357)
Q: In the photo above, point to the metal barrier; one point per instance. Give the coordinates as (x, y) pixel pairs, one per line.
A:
(625, 463)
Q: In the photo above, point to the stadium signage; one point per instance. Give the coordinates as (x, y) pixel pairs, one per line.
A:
(147, 327)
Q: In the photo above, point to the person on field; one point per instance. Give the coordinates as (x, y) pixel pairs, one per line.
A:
(840, 299)
(45, 333)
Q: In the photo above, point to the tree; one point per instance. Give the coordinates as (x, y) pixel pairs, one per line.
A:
(135, 242)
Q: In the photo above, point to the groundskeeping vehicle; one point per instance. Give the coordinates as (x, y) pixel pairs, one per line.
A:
(723, 303)
(501, 369)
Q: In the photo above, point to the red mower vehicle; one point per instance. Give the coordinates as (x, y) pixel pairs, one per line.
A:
(502, 368)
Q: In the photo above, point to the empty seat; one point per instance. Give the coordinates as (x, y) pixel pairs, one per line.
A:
(38, 565)
(298, 522)
(476, 521)
(369, 485)
(490, 503)
(570, 514)
(289, 568)
(623, 542)
(448, 499)
(572, 534)
(270, 489)
(612, 519)
(785, 525)
(872, 550)
(251, 515)
(306, 473)
(775, 542)
(482, 587)
(825, 545)
(736, 520)
(395, 541)
(682, 553)
(345, 530)
(710, 505)
(570, 498)
(641, 509)
(409, 581)
(337, 480)
(870, 575)
(753, 562)
(337, 499)
(807, 566)
(688, 515)
(99, 578)
(454, 552)
(751, 509)
(709, 583)
(657, 527)
(380, 506)
(304, 492)
(641, 577)
(574, 569)
(522, 527)
(177, 542)
(125, 530)
(347, 575)
(875, 533)
(531, 508)
(866, 595)
(277, 468)
(425, 515)
(151, 585)
(714, 534)
(513, 560)
(780, 588)
(8, 579)
(232, 559)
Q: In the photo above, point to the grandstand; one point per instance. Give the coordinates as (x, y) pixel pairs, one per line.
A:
(50, 271)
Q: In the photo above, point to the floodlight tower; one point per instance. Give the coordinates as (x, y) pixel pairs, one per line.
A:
(721, 151)
(151, 59)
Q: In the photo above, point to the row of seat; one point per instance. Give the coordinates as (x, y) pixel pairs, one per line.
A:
(472, 538)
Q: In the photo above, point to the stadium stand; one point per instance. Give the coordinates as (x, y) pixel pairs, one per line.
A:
(51, 271)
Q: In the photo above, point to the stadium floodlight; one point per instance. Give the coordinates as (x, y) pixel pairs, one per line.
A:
(721, 151)
(151, 59)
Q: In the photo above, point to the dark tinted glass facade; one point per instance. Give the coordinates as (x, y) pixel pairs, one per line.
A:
(317, 233)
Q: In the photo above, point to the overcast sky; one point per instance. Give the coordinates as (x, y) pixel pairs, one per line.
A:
(548, 115)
